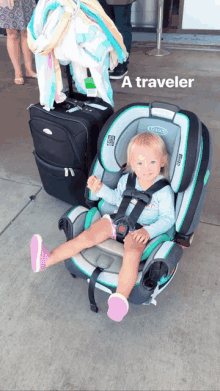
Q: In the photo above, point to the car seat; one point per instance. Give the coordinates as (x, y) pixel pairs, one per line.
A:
(189, 148)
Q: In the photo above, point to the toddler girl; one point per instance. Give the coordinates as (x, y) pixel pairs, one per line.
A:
(147, 157)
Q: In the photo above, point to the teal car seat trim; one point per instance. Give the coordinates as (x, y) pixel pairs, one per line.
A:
(148, 250)
(89, 217)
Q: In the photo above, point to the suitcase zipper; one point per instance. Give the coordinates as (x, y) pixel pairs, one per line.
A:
(67, 172)
(32, 104)
(72, 172)
(66, 169)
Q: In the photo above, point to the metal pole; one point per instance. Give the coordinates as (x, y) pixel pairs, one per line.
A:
(158, 51)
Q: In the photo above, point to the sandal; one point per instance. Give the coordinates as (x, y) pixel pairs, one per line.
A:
(118, 307)
(20, 80)
(32, 77)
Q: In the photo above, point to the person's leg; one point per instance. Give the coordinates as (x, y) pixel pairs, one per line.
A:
(109, 9)
(27, 55)
(128, 274)
(99, 231)
(123, 24)
(13, 46)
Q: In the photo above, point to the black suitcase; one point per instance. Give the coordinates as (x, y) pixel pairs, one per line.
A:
(65, 141)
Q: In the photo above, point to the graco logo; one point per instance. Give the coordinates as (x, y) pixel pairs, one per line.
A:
(157, 129)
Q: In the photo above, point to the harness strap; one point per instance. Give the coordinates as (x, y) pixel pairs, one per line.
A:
(125, 223)
(142, 202)
(92, 282)
(130, 185)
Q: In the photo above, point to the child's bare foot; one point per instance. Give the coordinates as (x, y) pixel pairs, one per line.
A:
(39, 254)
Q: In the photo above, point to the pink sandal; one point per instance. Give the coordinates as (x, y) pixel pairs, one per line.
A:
(118, 307)
(39, 254)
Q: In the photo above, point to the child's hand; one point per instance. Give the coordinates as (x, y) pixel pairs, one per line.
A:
(141, 235)
(94, 183)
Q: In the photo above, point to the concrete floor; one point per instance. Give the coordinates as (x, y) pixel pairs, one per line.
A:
(49, 338)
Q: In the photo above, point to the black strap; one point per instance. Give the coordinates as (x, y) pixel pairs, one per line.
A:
(126, 199)
(125, 223)
(69, 78)
(92, 282)
(70, 103)
(96, 100)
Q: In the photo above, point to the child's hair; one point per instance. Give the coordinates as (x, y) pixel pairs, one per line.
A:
(149, 140)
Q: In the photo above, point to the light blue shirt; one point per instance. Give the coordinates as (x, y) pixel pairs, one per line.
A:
(157, 217)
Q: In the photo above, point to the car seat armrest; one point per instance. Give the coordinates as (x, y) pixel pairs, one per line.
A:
(168, 252)
(73, 221)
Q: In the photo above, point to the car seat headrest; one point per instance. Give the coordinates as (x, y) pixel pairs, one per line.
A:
(175, 128)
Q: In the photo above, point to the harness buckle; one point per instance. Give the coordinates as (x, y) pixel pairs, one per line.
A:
(122, 229)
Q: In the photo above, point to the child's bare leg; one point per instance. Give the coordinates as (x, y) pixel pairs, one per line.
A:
(128, 274)
(99, 231)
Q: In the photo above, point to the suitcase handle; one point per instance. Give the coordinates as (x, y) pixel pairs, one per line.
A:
(69, 104)
(69, 78)
(75, 103)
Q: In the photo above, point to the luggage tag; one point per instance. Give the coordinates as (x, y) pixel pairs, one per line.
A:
(90, 87)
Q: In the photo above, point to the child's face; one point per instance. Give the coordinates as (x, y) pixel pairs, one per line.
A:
(147, 162)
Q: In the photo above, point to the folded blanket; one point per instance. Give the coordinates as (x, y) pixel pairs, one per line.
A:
(56, 33)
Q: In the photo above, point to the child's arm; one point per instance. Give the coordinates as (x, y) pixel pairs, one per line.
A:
(113, 197)
(166, 217)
